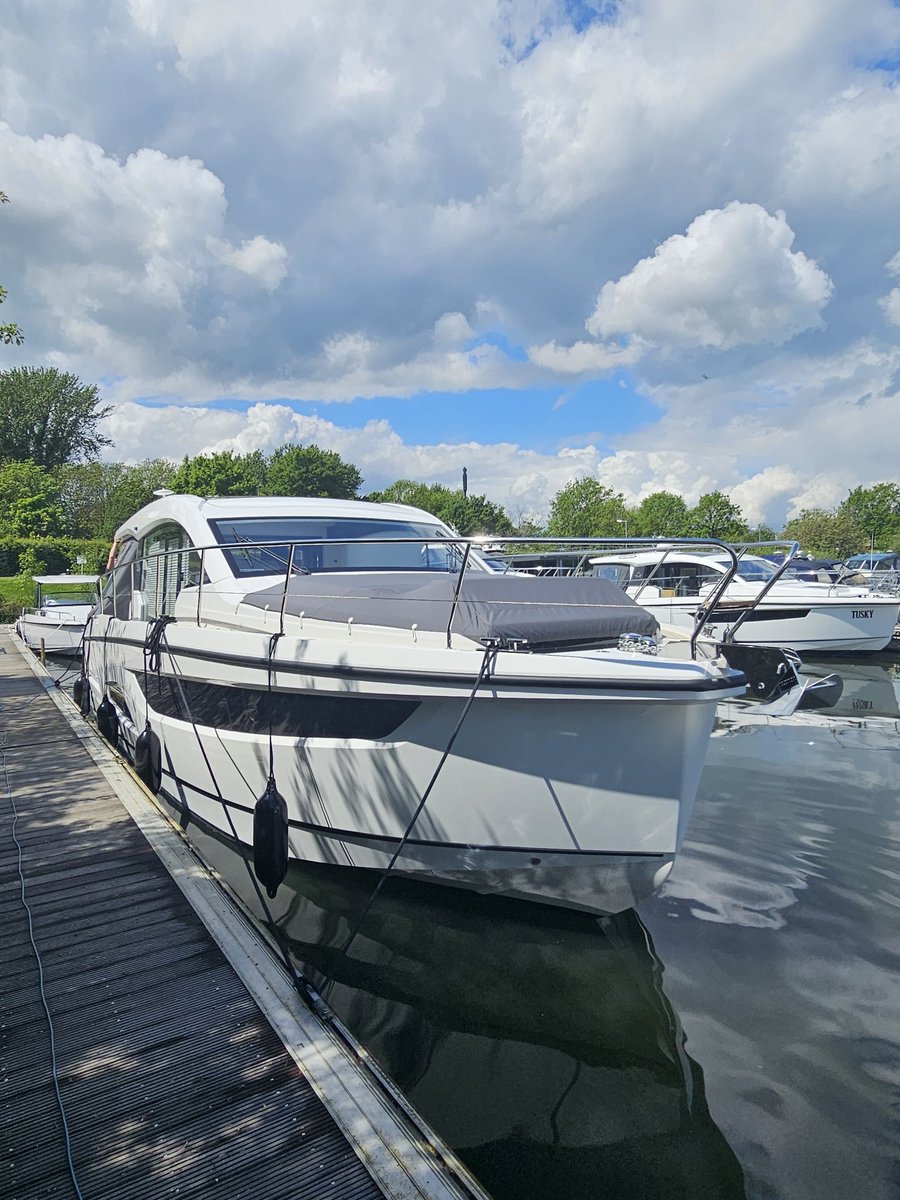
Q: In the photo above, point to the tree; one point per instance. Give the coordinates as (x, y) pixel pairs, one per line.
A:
(764, 533)
(98, 497)
(662, 514)
(716, 516)
(309, 471)
(826, 534)
(11, 334)
(525, 525)
(222, 473)
(586, 508)
(875, 509)
(49, 417)
(30, 503)
(466, 514)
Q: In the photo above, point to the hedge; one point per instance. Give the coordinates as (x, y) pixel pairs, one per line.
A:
(58, 554)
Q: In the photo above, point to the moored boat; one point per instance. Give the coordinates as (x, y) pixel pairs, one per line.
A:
(61, 609)
(674, 584)
(415, 709)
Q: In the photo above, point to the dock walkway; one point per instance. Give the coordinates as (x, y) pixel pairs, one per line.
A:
(174, 1082)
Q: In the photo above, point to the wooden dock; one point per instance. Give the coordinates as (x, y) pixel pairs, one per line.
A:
(182, 1072)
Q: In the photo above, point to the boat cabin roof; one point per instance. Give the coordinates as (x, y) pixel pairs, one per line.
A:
(57, 580)
(718, 561)
(187, 509)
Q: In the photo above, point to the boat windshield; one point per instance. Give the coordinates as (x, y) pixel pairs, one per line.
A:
(755, 569)
(49, 599)
(615, 572)
(336, 544)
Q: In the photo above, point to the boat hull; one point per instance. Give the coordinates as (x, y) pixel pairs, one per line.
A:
(579, 798)
(57, 636)
(858, 625)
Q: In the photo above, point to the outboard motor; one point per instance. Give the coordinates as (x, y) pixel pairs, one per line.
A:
(270, 838)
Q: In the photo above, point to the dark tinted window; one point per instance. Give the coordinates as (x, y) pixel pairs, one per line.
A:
(335, 544)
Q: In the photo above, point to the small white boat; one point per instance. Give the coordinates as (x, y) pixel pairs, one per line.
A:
(344, 643)
(61, 609)
(674, 584)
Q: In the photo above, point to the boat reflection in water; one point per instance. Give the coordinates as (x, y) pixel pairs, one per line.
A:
(538, 1042)
(871, 688)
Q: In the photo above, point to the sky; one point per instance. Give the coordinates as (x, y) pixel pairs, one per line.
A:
(656, 242)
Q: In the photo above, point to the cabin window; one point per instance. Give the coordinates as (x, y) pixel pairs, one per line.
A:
(615, 572)
(169, 563)
(119, 583)
(681, 578)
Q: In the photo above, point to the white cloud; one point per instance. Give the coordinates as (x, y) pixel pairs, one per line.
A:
(340, 202)
(262, 260)
(847, 150)
(584, 358)
(820, 444)
(123, 260)
(452, 329)
(891, 306)
(730, 280)
(508, 473)
(766, 491)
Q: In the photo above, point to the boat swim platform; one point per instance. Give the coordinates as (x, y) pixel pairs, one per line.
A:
(187, 1063)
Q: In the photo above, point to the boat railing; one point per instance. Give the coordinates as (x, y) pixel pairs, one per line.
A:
(60, 615)
(887, 585)
(741, 549)
(176, 568)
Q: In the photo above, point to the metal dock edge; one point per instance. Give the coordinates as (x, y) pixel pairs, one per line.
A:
(404, 1158)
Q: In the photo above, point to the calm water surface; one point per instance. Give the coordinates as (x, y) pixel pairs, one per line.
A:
(739, 1036)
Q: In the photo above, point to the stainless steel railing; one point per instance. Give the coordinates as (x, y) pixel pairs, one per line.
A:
(173, 569)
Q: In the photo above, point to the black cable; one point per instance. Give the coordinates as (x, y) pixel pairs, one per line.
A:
(78, 654)
(489, 654)
(153, 640)
(54, 1071)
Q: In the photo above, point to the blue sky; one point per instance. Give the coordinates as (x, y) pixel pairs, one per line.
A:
(594, 412)
(655, 241)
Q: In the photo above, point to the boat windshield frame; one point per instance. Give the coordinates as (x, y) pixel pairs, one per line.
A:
(255, 547)
(753, 570)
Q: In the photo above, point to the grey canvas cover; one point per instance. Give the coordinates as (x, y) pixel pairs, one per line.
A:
(545, 613)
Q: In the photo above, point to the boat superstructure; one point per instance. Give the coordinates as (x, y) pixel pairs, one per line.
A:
(363, 657)
(61, 609)
(675, 583)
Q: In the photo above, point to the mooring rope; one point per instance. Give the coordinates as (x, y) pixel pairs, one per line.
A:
(301, 984)
(490, 654)
(273, 642)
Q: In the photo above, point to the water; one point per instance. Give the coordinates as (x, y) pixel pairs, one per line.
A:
(740, 1036)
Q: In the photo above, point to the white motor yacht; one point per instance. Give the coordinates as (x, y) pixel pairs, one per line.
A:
(673, 584)
(61, 609)
(413, 708)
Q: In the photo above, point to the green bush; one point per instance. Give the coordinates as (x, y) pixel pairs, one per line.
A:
(15, 594)
(57, 554)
